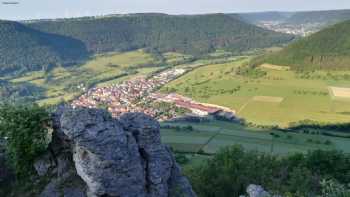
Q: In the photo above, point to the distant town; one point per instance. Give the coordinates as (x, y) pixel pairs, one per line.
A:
(300, 30)
(139, 95)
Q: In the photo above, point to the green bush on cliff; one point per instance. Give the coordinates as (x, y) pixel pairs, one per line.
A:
(26, 130)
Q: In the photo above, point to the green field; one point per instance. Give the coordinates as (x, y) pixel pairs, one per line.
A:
(277, 98)
(62, 83)
(209, 137)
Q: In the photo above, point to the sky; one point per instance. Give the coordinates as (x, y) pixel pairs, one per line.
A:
(38, 9)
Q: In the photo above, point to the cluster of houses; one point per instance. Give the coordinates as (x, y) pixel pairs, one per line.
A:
(128, 96)
(137, 94)
(300, 30)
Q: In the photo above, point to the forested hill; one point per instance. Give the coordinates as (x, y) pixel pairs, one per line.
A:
(327, 49)
(23, 49)
(322, 17)
(44, 44)
(197, 34)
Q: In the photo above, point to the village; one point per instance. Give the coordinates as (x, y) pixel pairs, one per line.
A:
(300, 30)
(139, 95)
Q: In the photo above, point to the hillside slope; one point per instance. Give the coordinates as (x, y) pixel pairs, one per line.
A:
(25, 49)
(19, 93)
(197, 34)
(327, 49)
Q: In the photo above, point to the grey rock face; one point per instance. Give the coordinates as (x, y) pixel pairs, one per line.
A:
(178, 183)
(105, 156)
(257, 191)
(43, 164)
(6, 174)
(68, 185)
(123, 157)
(155, 157)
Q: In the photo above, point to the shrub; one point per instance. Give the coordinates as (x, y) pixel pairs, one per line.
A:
(328, 142)
(189, 128)
(26, 130)
(181, 158)
(250, 72)
(331, 188)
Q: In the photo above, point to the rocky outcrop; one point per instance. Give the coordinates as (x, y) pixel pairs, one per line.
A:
(257, 191)
(110, 157)
(6, 175)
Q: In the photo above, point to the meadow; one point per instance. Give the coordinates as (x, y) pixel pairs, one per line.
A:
(209, 137)
(206, 138)
(268, 95)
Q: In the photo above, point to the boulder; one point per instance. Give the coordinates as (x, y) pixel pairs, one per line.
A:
(257, 191)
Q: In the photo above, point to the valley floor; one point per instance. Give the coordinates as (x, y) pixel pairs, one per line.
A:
(197, 142)
(270, 95)
(280, 97)
(209, 137)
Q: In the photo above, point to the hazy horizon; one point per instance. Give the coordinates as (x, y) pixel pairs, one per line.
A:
(42, 9)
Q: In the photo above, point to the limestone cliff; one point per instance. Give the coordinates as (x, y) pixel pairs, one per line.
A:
(94, 155)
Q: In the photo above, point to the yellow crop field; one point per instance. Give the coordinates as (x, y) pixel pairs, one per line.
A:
(340, 92)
